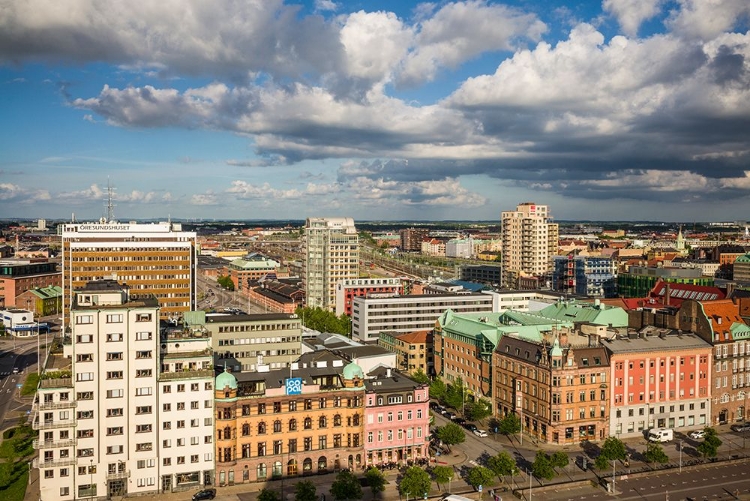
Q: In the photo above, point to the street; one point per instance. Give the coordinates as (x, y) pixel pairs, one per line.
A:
(24, 358)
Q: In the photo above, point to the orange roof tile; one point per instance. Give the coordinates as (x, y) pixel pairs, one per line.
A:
(722, 314)
(417, 337)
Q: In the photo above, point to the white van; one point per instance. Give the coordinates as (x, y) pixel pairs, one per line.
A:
(454, 497)
(661, 435)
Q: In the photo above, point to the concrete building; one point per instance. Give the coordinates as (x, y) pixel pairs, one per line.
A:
(244, 273)
(460, 248)
(101, 419)
(639, 280)
(660, 379)
(42, 300)
(248, 343)
(529, 242)
(742, 269)
(371, 316)
(482, 273)
(152, 259)
(397, 419)
(556, 388)
(286, 423)
(347, 290)
(411, 239)
(331, 256)
(19, 275)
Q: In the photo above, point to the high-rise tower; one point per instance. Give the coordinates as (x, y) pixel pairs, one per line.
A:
(331, 255)
(529, 242)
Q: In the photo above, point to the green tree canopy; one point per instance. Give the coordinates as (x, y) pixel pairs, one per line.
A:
(438, 390)
(479, 475)
(414, 483)
(346, 486)
(559, 459)
(225, 282)
(613, 448)
(510, 424)
(442, 474)
(455, 394)
(655, 454)
(267, 494)
(709, 448)
(305, 491)
(420, 377)
(542, 466)
(476, 411)
(376, 481)
(451, 434)
(502, 464)
(324, 321)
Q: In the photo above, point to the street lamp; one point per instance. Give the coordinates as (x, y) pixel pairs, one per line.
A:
(680, 456)
(614, 478)
(91, 477)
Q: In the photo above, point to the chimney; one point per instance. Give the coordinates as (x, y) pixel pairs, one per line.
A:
(667, 293)
(388, 372)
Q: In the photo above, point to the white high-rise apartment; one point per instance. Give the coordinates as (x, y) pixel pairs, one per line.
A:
(529, 242)
(331, 255)
(153, 259)
(101, 419)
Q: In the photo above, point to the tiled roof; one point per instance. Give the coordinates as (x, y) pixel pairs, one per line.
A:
(722, 314)
(417, 337)
(681, 292)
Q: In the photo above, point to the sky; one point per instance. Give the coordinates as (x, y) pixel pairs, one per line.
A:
(376, 110)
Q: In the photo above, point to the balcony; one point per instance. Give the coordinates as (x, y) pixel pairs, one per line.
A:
(52, 424)
(118, 475)
(46, 406)
(53, 463)
(62, 382)
(54, 444)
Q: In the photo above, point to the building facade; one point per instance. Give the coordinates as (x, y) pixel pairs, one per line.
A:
(659, 379)
(529, 242)
(347, 290)
(585, 276)
(414, 350)
(100, 419)
(286, 423)
(397, 420)
(411, 239)
(152, 259)
(558, 389)
(482, 273)
(331, 256)
(402, 314)
(19, 276)
(639, 280)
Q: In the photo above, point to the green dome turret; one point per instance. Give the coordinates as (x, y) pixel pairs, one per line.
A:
(226, 379)
(352, 371)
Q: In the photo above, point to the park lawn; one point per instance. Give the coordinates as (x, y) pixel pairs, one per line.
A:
(29, 386)
(14, 488)
(14, 470)
(17, 443)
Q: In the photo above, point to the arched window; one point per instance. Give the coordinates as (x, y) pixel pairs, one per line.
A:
(337, 420)
(261, 471)
(227, 433)
(322, 463)
(277, 426)
(291, 467)
(322, 422)
(355, 420)
(307, 465)
(292, 425)
(245, 430)
(308, 423)
(261, 428)
(276, 469)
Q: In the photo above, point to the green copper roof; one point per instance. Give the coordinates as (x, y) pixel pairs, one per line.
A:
(260, 264)
(556, 351)
(739, 331)
(599, 314)
(353, 370)
(743, 259)
(226, 379)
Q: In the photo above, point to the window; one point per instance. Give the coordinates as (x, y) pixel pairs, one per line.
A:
(85, 433)
(166, 443)
(292, 445)
(322, 439)
(146, 446)
(144, 354)
(143, 391)
(115, 430)
(166, 407)
(114, 375)
(337, 420)
(194, 423)
(114, 412)
(85, 395)
(113, 338)
(114, 318)
(142, 428)
(144, 373)
(322, 422)
(292, 425)
(308, 423)
(114, 393)
(181, 423)
(166, 425)
(194, 387)
(114, 449)
(308, 443)
(166, 388)
(85, 357)
(143, 409)
(143, 336)
(277, 426)
(85, 376)
(166, 462)
(84, 319)
(180, 388)
(194, 458)
(114, 356)
(143, 317)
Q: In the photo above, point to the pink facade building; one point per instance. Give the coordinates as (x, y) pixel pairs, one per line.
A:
(397, 427)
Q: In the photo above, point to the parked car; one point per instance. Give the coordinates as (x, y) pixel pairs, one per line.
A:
(480, 433)
(450, 416)
(470, 427)
(445, 412)
(460, 421)
(697, 434)
(204, 494)
(740, 427)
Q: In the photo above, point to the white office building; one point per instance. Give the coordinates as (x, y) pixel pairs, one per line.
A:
(373, 315)
(529, 241)
(101, 408)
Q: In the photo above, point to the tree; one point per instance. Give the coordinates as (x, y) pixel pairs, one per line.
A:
(346, 486)
(268, 495)
(709, 448)
(451, 434)
(225, 282)
(479, 475)
(655, 454)
(376, 481)
(542, 466)
(443, 474)
(559, 460)
(510, 424)
(415, 482)
(476, 411)
(420, 377)
(612, 449)
(502, 464)
(305, 491)
(324, 320)
(438, 390)
(454, 395)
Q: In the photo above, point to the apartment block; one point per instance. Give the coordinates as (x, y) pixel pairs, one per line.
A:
(331, 256)
(585, 276)
(414, 350)
(411, 238)
(529, 241)
(347, 290)
(402, 314)
(397, 419)
(100, 418)
(152, 259)
(18, 276)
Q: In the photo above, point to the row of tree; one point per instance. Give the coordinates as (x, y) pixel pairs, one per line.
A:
(456, 396)
(324, 321)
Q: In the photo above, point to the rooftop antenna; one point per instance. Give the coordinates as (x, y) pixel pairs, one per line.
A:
(110, 204)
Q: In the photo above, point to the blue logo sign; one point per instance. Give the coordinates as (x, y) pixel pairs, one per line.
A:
(293, 386)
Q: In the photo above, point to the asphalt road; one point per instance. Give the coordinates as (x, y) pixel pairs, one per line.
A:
(221, 298)
(24, 358)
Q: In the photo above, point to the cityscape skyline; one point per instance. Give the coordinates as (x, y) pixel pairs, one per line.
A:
(379, 110)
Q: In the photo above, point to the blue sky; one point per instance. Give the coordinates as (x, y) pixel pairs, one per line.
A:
(624, 109)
